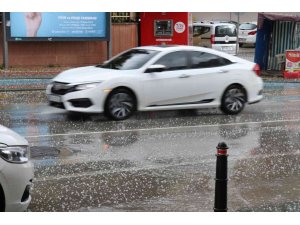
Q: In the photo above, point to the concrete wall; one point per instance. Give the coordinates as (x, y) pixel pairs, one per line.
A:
(124, 36)
(244, 16)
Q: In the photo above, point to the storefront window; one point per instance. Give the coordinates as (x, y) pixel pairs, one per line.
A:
(163, 28)
(123, 17)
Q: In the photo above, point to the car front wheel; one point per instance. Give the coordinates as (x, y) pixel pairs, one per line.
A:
(120, 104)
(233, 100)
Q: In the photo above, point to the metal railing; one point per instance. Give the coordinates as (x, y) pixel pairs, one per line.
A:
(123, 17)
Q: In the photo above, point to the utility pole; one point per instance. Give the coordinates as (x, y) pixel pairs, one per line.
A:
(5, 44)
(109, 43)
(237, 28)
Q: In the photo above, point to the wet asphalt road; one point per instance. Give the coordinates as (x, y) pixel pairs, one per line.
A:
(161, 161)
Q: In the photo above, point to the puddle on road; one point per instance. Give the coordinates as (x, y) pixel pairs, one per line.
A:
(119, 190)
(42, 152)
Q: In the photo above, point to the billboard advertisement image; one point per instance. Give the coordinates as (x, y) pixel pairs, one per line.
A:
(51, 26)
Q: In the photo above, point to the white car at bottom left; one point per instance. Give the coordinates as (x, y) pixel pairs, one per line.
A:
(16, 171)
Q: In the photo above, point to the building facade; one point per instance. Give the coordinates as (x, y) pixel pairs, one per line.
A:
(124, 35)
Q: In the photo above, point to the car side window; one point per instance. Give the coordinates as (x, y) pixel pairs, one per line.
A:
(200, 30)
(200, 60)
(174, 61)
(223, 30)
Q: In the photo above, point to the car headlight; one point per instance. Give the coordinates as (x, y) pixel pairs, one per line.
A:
(15, 154)
(80, 87)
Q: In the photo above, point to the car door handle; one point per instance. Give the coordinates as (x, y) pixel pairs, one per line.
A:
(184, 76)
(223, 71)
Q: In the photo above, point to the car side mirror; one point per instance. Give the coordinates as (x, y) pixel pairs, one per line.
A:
(155, 68)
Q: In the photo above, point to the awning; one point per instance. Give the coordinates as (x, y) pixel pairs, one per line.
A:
(274, 17)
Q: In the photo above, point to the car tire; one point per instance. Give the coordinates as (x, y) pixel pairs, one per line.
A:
(120, 104)
(2, 200)
(233, 100)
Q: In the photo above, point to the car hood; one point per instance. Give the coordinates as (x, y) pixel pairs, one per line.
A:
(9, 137)
(87, 74)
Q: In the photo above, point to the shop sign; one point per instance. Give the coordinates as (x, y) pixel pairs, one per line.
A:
(292, 60)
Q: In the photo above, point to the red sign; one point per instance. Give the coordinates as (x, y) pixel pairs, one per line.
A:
(165, 28)
(293, 56)
(292, 60)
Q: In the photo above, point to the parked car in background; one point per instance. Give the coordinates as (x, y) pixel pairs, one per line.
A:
(247, 33)
(221, 36)
(16, 171)
(158, 78)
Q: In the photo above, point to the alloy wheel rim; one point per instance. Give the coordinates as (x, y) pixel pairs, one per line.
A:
(121, 105)
(234, 100)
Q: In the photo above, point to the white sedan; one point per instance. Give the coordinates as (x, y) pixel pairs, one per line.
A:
(16, 172)
(159, 78)
(247, 33)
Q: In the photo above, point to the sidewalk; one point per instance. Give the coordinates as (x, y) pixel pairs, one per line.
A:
(20, 79)
(23, 79)
(31, 72)
(275, 75)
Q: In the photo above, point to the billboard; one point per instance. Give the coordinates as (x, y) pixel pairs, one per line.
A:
(57, 26)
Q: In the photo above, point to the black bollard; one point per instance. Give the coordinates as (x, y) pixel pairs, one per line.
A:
(221, 179)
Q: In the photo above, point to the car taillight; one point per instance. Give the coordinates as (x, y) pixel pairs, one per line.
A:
(252, 33)
(212, 39)
(256, 69)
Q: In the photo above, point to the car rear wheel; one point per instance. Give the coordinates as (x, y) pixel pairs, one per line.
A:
(233, 100)
(120, 104)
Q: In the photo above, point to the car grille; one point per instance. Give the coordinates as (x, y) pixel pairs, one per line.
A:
(81, 102)
(57, 105)
(61, 88)
(26, 193)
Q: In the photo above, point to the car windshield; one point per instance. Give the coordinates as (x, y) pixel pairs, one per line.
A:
(247, 26)
(130, 60)
(226, 30)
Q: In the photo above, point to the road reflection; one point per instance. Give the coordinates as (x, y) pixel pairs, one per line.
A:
(119, 138)
(233, 132)
(271, 172)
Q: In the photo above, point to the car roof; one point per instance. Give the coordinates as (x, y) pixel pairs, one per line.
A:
(254, 22)
(167, 48)
(171, 48)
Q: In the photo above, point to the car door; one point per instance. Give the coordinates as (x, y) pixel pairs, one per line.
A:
(209, 73)
(169, 87)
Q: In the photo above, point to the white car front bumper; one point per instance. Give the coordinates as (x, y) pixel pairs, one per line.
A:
(17, 183)
(85, 101)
